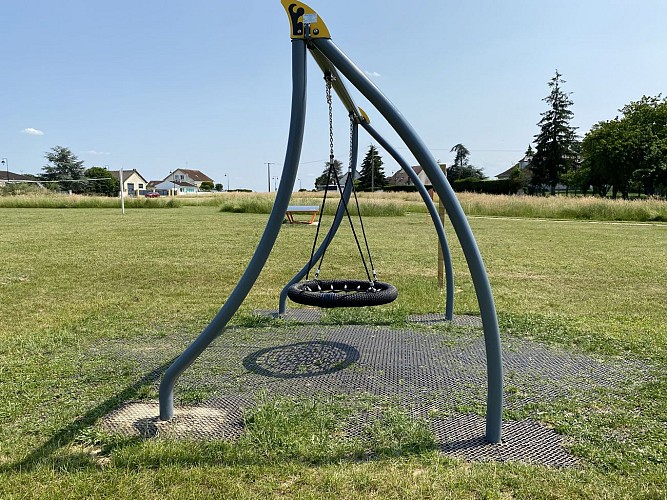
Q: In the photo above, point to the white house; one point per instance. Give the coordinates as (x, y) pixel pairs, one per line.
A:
(134, 183)
(171, 188)
(188, 176)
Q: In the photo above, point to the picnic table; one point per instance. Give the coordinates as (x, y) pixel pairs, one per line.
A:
(299, 209)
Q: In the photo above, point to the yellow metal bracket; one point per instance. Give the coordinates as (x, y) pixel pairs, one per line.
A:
(304, 21)
(364, 116)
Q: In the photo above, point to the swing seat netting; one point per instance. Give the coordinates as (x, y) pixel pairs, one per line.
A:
(342, 293)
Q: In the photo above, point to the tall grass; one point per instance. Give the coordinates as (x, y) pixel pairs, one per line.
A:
(560, 207)
(378, 204)
(263, 203)
(41, 200)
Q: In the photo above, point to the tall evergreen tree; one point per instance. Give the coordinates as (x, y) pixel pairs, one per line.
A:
(461, 169)
(63, 166)
(555, 144)
(321, 181)
(372, 175)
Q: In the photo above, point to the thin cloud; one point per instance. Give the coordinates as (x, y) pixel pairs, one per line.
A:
(32, 131)
(97, 153)
(372, 73)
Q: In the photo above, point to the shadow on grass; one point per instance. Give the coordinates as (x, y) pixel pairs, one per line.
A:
(69, 433)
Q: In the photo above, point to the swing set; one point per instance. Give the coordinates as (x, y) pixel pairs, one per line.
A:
(310, 34)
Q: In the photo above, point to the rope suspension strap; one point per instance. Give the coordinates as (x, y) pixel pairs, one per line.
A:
(341, 293)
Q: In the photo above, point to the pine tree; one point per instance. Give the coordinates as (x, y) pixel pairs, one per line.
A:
(63, 166)
(372, 175)
(321, 181)
(555, 144)
(461, 169)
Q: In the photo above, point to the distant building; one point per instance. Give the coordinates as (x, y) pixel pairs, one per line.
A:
(171, 187)
(343, 178)
(523, 164)
(188, 176)
(134, 184)
(13, 178)
(401, 178)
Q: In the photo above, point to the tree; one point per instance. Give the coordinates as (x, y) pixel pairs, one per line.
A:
(371, 175)
(554, 145)
(63, 166)
(219, 187)
(629, 152)
(110, 186)
(321, 181)
(461, 169)
(206, 186)
(519, 179)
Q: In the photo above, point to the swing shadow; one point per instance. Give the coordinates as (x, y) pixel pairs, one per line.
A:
(69, 433)
(301, 359)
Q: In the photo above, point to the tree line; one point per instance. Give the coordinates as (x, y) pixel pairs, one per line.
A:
(619, 156)
(65, 171)
(622, 155)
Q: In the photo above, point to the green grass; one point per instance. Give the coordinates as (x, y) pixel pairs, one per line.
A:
(74, 280)
(56, 200)
(561, 207)
(389, 204)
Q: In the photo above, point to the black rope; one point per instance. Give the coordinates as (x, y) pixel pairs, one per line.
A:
(363, 232)
(319, 224)
(350, 179)
(328, 83)
(354, 232)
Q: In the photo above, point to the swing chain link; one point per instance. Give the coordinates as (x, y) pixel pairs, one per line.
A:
(351, 158)
(329, 80)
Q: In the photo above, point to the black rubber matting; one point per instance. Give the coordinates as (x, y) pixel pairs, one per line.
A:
(312, 315)
(434, 376)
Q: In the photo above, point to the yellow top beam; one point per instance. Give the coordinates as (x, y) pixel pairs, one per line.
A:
(304, 21)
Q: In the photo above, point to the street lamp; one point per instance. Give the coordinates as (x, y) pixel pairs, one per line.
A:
(299, 183)
(226, 182)
(6, 163)
(275, 183)
(173, 180)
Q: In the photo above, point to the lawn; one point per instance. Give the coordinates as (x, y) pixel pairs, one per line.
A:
(74, 282)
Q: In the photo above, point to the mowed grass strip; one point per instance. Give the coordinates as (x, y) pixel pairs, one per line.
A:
(378, 204)
(74, 279)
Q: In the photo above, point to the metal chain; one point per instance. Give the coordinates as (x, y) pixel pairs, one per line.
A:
(351, 159)
(329, 78)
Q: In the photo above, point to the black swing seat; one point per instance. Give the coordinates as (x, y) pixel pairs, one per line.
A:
(342, 293)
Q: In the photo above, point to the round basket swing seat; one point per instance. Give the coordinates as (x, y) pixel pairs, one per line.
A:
(342, 293)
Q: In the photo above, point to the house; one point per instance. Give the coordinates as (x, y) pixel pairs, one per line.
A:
(8, 177)
(172, 188)
(343, 178)
(401, 178)
(524, 167)
(188, 176)
(134, 184)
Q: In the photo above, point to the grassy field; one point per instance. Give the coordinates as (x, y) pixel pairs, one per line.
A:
(73, 281)
(388, 204)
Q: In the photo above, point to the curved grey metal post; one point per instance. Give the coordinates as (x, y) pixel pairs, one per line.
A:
(295, 140)
(449, 272)
(494, 403)
(340, 212)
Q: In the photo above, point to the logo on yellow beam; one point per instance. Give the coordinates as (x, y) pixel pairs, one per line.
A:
(304, 21)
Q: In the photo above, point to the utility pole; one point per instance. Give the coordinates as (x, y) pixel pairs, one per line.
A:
(268, 170)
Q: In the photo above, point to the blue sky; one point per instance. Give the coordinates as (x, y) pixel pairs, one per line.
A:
(158, 85)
